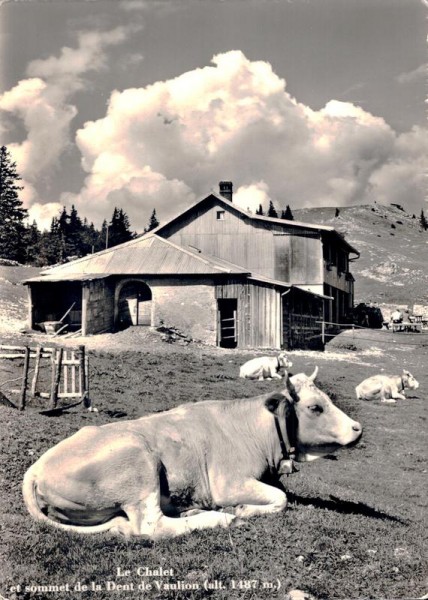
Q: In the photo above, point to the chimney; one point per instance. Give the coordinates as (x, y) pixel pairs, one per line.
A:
(226, 189)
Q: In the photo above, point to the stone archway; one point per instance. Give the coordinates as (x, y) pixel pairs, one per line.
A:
(133, 304)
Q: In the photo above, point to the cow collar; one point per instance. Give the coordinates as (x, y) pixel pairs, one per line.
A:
(288, 445)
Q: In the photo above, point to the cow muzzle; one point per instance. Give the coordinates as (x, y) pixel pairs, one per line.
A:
(358, 429)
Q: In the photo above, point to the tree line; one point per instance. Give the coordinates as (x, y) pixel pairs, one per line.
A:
(69, 236)
(272, 212)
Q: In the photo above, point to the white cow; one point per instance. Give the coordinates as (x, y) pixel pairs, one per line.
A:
(203, 461)
(386, 388)
(265, 367)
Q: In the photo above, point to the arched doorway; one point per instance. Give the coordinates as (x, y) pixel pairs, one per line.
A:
(134, 304)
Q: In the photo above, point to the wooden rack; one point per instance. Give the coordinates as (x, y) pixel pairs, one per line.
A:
(69, 373)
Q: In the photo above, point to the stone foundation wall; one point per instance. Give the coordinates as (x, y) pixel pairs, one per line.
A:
(98, 298)
(187, 305)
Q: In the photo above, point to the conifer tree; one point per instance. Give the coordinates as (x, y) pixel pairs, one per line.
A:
(153, 222)
(32, 237)
(103, 237)
(259, 211)
(75, 234)
(12, 215)
(287, 214)
(272, 210)
(119, 228)
(89, 238)
(50, 245)
(423, 221)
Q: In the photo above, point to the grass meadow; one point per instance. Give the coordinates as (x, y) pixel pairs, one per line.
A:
(354, 527)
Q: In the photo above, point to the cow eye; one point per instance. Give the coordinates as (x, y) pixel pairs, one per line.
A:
(316, 409)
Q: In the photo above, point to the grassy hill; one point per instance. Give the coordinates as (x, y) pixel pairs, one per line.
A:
(393, 266)
(14, 296)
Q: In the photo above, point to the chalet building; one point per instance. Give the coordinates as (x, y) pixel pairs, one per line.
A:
(215, 272)
(312, 257)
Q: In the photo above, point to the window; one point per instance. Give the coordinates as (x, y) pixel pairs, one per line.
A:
(220, 215)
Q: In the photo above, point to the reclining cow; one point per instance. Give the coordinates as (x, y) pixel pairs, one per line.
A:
(386, 388)
(265, 367)
(128, 477)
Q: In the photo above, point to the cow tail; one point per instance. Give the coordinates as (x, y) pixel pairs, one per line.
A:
(30, 495)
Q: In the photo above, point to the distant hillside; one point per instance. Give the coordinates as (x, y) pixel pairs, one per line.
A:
(393, 266)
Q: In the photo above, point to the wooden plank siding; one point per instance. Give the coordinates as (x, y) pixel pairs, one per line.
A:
(273, 250)
(259, 314)
(298, 258)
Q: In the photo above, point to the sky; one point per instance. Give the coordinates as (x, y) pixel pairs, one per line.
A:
(148, 104)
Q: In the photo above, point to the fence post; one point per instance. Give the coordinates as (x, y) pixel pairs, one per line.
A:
(83, 376)
(24, 378)
(323, 332)
(36, 371)
(56, 376)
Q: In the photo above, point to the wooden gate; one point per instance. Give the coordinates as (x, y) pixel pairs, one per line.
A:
(51, 373)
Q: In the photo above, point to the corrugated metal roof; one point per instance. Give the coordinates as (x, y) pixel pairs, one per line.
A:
(276, 282)
(146, 255)
(303, 289)
(282, 284)
(72, 277)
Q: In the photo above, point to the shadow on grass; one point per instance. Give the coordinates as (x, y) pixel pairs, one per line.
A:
(345, 507)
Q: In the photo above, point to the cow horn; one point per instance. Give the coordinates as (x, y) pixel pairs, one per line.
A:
(314, 374)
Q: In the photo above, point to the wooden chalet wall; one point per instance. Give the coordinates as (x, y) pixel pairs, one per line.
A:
(282, 252)
(298, 257)
(338, 282)
(258, 312)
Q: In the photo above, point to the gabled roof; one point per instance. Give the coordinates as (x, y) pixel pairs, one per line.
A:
(146, 255)
(268, 220)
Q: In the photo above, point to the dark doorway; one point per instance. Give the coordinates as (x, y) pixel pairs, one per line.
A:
(135, 304)
(227, 323)
(59, 302)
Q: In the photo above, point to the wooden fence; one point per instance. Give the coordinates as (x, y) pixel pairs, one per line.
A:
(69, 373)
(302, 331)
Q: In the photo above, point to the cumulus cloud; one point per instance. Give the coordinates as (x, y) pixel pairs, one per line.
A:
(250, 197)
(42, 103)
(166, 144)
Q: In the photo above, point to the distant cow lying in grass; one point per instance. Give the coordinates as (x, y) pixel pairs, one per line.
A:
(265, 367)
(386, 388)
(127, 477)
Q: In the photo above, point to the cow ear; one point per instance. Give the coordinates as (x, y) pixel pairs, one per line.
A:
(273, 401)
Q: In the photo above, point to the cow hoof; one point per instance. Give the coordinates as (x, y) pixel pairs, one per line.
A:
(389, 401)
(227, 519)
(237, 522)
